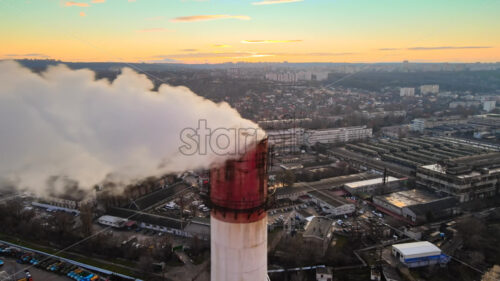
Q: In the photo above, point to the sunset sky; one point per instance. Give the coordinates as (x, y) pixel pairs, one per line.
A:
(214, 31)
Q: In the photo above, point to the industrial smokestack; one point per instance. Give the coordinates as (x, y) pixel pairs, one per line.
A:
(238, 221)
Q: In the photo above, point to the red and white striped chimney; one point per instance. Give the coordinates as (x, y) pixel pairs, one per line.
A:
(238, 221)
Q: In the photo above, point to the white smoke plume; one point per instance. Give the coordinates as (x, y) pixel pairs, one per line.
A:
(64, 123)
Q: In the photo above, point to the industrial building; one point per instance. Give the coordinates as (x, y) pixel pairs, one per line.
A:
(332, 205)
(302, 188)
(419, 124)
(153, 221)
(292, 193)
(287, 140)
(337, 135)
(414, 152)
(416, 206)
(418, 254)
(467, 178)
(318, 234)
(487, 120)
(373, 186)
(290, 140)
(112, 221)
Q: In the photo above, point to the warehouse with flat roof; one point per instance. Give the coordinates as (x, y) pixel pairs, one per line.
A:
(416, 206)
(417, 254)
(373, 186)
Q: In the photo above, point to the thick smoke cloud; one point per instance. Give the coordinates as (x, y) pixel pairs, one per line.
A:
(64, 126)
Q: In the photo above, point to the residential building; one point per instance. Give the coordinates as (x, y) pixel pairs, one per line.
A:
(407, 92)
(489, 105)
(429, 89)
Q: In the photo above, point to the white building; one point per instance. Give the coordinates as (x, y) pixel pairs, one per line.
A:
(429, 89)
(332, 205)
(291, 139)
(281, 76)
(489, 105)
(371, 186)
(112, 221)
(417, 254)
(407, 92)
(337, 135)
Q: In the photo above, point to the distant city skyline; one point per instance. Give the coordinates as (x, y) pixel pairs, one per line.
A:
(184, 31)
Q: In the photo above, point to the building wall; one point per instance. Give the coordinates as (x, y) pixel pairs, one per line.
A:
(382, 203)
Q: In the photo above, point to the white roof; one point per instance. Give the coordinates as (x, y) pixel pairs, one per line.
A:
(417, 248)
(112, 219)
(357, 184)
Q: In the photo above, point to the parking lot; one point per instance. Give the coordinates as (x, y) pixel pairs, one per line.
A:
(12, 267)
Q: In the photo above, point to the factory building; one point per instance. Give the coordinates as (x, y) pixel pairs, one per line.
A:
(112, 221)
(290, 140)
(418, 254)
(416, 206)
(292, 193)
(338, 135)
(373, 186)
(487, 122)
(152, 221)
(318, 234)
(332, 205)
(420, 124)
(467, 178)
